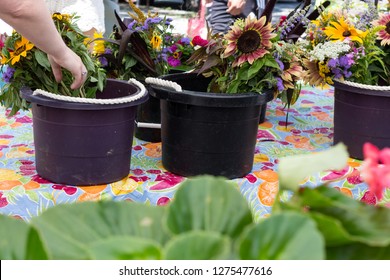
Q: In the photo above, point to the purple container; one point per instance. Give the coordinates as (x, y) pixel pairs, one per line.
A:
(84, 144)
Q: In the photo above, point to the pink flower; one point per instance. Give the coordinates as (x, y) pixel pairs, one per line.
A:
(199, 41)
(376, 169)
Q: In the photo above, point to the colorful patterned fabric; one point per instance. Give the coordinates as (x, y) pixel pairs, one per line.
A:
(25, 194)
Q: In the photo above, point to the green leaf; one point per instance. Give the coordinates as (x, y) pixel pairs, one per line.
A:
(69, 229)
(199, 245)
(35, 249)
(358, 251)
(293, 169)
(42, 59)
(363, 223)
(13, 238)
(125, 248)
(210, 204)
(19, 241)
(285, 236)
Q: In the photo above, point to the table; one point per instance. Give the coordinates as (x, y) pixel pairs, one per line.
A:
(24, 194)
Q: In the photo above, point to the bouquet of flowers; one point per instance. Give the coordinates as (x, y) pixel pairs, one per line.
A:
(251, 57)
(23, 64)
(144, 46)
(346, 43)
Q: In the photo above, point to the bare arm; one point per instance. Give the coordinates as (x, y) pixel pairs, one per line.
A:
(32, 19)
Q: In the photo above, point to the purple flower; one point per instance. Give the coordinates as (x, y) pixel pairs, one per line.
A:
(332, 63)
(337, 73)
(131, 24)
(155, 20)
(103, 60)
(281, 65)
(173, 61)
(8, 74)
(172, 48)
(344, 61)
(279, 84)
(185, 41)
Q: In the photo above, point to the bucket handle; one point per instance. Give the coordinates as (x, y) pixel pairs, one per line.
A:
(120, 100)
(164, 83)
(363, 86)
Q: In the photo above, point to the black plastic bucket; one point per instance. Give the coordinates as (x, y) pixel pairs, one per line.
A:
(84, 144)
(361, 115)
(208, 133)
(149, 113)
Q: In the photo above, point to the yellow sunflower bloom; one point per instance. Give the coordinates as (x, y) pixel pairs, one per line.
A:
(22, 46)
(342, 30)
(156, 42)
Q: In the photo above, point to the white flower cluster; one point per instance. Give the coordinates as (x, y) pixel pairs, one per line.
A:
(329, 50)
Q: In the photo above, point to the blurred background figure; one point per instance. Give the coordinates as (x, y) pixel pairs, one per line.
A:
(224, 12)
(5, 28)
(91, 13)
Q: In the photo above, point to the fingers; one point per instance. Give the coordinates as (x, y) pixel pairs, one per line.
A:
(70, 61)
(79, 80)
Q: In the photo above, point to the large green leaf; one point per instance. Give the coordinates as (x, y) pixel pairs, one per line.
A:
(210, 204)
(363, 223)
(68, 230)
(198, 245)
(358, 251)
(294, 169)
(125, 248)
(19, 241)
(284, 236)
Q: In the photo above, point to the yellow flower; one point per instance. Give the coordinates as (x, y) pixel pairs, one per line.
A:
(22, 46)
(60, 17)
(98, 47)
(341, 30)
(156, 42)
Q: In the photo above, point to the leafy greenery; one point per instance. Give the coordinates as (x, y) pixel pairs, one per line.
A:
(23, 64)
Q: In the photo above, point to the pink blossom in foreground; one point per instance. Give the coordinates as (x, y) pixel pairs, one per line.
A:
(376, 169)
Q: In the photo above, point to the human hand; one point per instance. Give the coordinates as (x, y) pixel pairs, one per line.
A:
(72, 62)
(235, 7)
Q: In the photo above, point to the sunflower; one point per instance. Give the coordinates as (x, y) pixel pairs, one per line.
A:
(342, 30)
(291, 73)
(22, 46)
(156, 42)
(384, 34)
(249, 40)
(313, 76)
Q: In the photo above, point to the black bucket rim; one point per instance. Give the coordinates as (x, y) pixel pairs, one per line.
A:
(201, 98)
(360, 90)
(27, 94)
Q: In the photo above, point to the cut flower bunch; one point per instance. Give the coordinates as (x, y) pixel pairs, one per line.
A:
(251, 57)
(24, 65)
(143, 46)
(346, 43)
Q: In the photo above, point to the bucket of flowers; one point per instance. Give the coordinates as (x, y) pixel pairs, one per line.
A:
(145, 45)
(66, 123)
(348, 47)
(210, 116)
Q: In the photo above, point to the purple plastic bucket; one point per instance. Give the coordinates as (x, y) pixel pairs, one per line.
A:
(361, 115)
(84, 144)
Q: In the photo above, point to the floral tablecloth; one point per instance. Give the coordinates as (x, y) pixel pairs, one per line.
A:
(25, 194)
